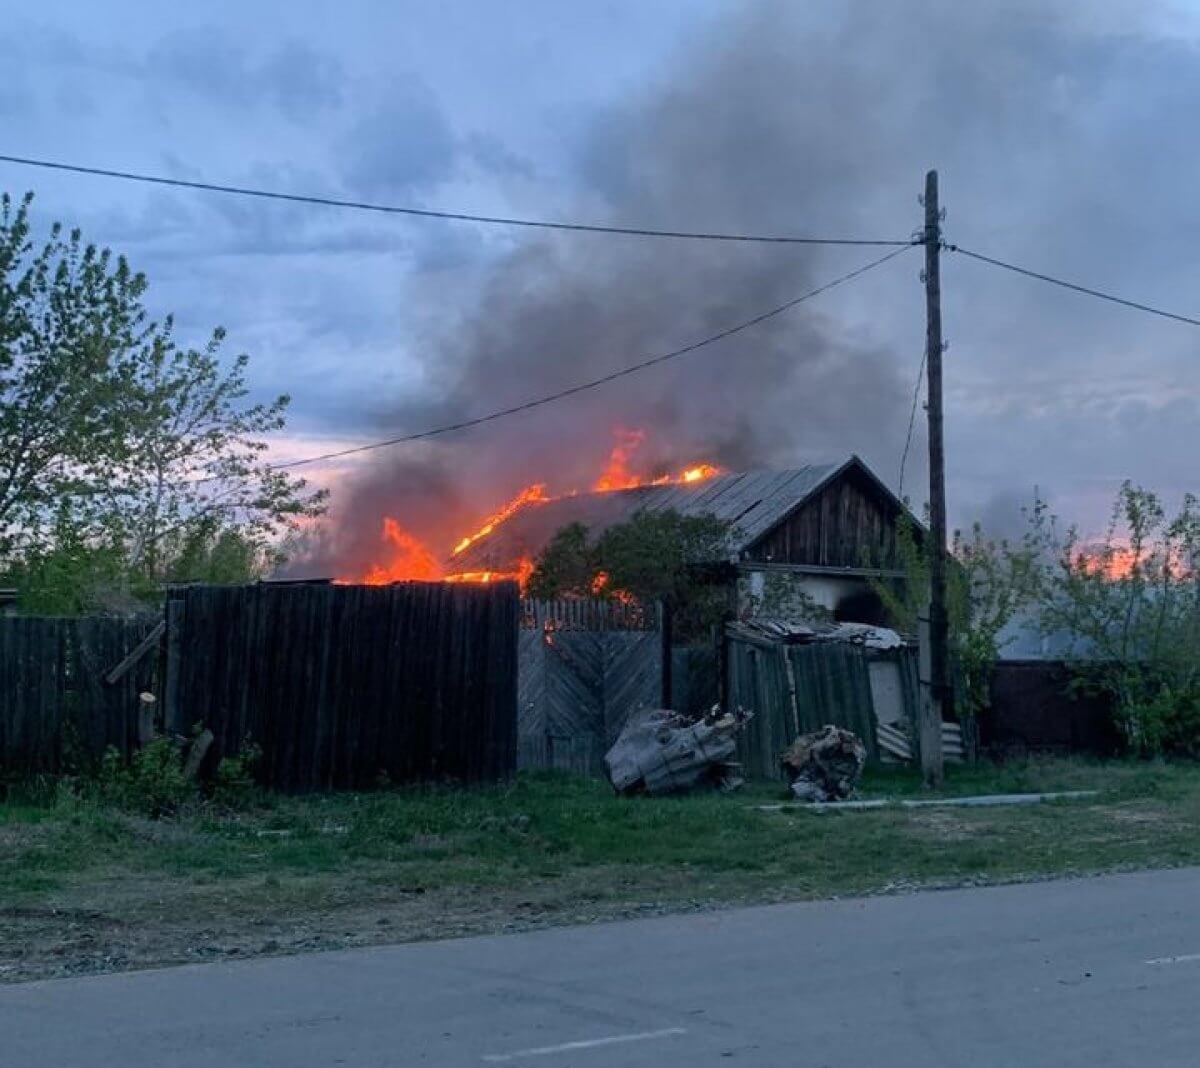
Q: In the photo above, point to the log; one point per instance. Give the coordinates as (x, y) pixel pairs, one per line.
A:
(146, 708)
(196, 754)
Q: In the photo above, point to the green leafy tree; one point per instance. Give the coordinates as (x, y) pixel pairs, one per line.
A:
(1129, 605)
(988, 583)
(221, 556)
(567, 566)
(68, 311)
(68, 575)
(127, 458)
(192, 470)
(654, 556)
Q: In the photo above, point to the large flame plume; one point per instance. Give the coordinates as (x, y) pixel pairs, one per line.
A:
(403, 557)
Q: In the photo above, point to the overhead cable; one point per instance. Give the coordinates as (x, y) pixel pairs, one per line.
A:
(1074, 286)
(429, 213)
(912, 418)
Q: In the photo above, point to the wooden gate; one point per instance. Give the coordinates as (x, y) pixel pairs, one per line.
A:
(583, 668)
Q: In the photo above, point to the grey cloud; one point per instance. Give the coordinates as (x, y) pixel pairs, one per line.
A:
(16, 98)
(46, 45)
(303, 81)
(211, 64)
(205, 60)
(1003, 515)
(495, 157)
(405, 142)
(208, 63)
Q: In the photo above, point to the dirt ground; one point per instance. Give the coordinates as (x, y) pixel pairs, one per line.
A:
(87, 888)
(51, 942)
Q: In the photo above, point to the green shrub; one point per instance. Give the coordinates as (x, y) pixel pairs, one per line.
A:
(1166, 723)
(234, 785)
(151, 782)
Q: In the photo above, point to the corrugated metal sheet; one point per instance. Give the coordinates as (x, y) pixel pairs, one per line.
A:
(792, 689)
(793, 631)
(752, 501)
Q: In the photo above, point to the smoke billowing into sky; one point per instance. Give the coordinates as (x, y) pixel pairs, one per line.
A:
(1061, 131)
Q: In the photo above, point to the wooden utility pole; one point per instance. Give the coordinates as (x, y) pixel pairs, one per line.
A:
(939, 674)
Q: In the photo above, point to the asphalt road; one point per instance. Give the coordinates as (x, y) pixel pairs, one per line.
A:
(1096, 972)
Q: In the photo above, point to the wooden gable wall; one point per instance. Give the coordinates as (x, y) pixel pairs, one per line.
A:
(849, 523)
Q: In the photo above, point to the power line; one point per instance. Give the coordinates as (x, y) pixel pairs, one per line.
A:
(584, 386)
(1072, 285)
(458, 216)
(912, 418)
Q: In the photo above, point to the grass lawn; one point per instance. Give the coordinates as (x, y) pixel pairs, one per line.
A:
(87, 889)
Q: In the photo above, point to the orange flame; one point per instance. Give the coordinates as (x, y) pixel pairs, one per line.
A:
(524, 569)
(699, 473)
(410, 560)
(535, 494)
(1117, 562)
(617, 475)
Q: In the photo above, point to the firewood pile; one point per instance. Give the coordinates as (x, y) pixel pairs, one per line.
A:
(662, 752)
(824, 765)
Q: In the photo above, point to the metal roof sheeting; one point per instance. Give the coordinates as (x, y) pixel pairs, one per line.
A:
(751, 501)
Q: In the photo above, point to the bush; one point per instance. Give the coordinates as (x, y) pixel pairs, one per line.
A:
(234, 785)
(1130, 607)
(1168, 723)
(151, 782)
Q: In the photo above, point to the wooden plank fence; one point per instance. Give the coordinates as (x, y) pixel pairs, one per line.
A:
(695, 679)
(58, 712)
(346, 686)
(584, 667)
(589, 614)
(792, 689)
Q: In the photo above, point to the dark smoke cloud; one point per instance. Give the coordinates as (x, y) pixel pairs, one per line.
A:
(710, 144)
(1004, 515)
(796, 118)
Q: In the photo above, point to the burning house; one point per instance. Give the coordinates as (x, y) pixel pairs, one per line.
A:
(813, 534)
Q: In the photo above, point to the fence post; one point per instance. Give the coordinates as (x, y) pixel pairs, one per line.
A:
(172, 713)
(666, 653)
(721, 649)
(146, 710)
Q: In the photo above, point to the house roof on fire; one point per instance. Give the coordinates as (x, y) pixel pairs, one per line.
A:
(752, 502)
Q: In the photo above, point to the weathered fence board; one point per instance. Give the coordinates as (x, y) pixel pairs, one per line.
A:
(342, 686)
(577, 613)
(1035, 709)
(695, 686)
(792, 689)
(56, 708)
(585, 666)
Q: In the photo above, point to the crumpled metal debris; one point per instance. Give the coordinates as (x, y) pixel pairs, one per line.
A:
(661, 752)
(825, 764)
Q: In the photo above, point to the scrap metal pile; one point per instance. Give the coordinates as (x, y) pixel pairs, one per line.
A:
(662, 752)
(824, 765)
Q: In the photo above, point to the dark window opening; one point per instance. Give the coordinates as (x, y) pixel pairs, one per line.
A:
(862, 606)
